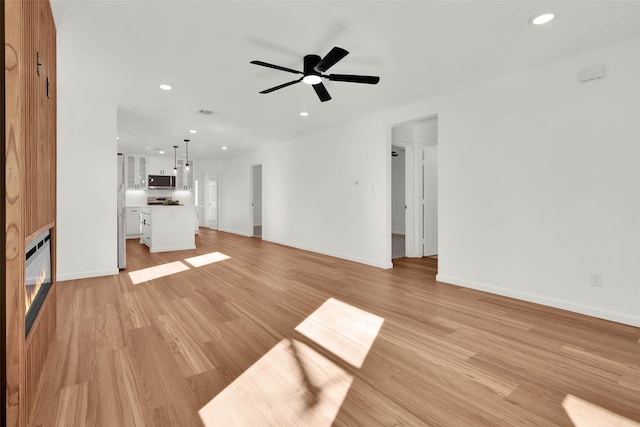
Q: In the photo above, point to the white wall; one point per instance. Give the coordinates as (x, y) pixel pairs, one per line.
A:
(398, 177)
(87, 185)
(310, 200)
(426, 131)
(539, 185)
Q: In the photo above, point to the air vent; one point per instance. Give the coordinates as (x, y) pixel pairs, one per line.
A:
(592, 73)
(205, 112)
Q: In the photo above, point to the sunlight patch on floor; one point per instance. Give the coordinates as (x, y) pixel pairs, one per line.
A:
(344, 330)
(291, 385)
(586, 414)
(162, 270)
(210, 258)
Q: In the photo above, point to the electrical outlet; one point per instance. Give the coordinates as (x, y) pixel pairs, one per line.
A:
(596, 280)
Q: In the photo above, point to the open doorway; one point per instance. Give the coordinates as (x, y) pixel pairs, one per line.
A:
(417, 141)
(398, 202)
(256, 202)
(211, 201)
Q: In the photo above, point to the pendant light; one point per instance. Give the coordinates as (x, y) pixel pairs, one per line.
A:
(186, 165)
(175, 159)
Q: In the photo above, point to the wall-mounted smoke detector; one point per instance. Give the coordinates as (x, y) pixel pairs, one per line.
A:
(592, 73)
(205, 112)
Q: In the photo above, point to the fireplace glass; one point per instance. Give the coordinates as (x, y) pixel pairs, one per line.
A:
(37, 276)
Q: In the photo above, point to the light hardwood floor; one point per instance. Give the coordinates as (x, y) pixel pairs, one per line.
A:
(156, 353)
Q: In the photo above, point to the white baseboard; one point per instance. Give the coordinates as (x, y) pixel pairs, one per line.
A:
(333, 254)
(626, 319)
(172, 248)
(232, 231)
(85, 275)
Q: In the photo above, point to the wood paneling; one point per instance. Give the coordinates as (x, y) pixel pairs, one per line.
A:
(40, 108)
(157, 352)
(3, 329)
(37, 348)
(14, 202)
(30, 194)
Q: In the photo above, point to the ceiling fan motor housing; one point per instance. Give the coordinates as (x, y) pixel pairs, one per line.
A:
(310, 62)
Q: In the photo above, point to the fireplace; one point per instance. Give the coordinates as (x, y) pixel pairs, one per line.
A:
(37, 277)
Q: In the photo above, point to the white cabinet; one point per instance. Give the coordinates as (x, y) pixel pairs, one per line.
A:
(184, 178)
(132, 227)
(145, 226)
(160, 165)
(167, 228)
(137, 171)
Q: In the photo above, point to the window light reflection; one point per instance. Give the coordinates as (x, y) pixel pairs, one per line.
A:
(587, 414)
(346, 331)
(210, 258)
(291, 385)
(162, 270)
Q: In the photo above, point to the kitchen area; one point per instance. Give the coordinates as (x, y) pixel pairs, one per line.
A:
(156, 203)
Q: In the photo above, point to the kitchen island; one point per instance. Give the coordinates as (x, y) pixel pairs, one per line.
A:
(167, 228)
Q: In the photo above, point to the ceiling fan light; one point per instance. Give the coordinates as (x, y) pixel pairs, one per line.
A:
(311, 79)
(542, 19)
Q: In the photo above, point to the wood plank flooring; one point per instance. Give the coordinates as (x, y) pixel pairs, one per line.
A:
(222, 338)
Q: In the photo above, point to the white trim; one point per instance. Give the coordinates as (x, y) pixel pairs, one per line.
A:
(334, 254)
(626, 319)
(172, 248)
(85, 275)
(241, 233)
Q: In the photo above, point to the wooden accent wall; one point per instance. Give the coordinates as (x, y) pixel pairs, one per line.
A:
(3, 329)
(30, 193)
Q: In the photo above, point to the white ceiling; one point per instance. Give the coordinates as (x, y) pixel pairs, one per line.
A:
(118, 52)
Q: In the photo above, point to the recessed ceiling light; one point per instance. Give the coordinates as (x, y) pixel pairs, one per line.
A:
(161, 151)
(542, 19)
(311, 79)
(304, 113)
(193, 131)
(224, 147)
(166, 87)
(117, 137)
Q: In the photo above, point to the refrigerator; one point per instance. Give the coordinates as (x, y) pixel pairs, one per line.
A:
(122, 247)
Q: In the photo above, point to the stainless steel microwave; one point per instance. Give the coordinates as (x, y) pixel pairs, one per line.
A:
(162, 182)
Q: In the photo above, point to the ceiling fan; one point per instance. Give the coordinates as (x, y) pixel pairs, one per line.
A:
(314, 66)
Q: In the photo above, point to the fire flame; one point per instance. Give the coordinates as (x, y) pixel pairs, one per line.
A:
(31, 291)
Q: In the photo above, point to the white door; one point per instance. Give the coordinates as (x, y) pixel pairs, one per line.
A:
(211, 201)
(256, 202)
(430, 200)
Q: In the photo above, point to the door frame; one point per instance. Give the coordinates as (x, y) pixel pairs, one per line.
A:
(207, 177)
(252, 171)
(414, 220)
(410, 224)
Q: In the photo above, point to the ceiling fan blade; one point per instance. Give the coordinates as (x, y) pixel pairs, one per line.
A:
(321, 91)
(281, 86)
(372, 80)
(277, 67)
(334, 55)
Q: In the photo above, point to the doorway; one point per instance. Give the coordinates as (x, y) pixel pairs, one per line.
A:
(398, 202)
(256, 202)
(417, 140)
(211, 201)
